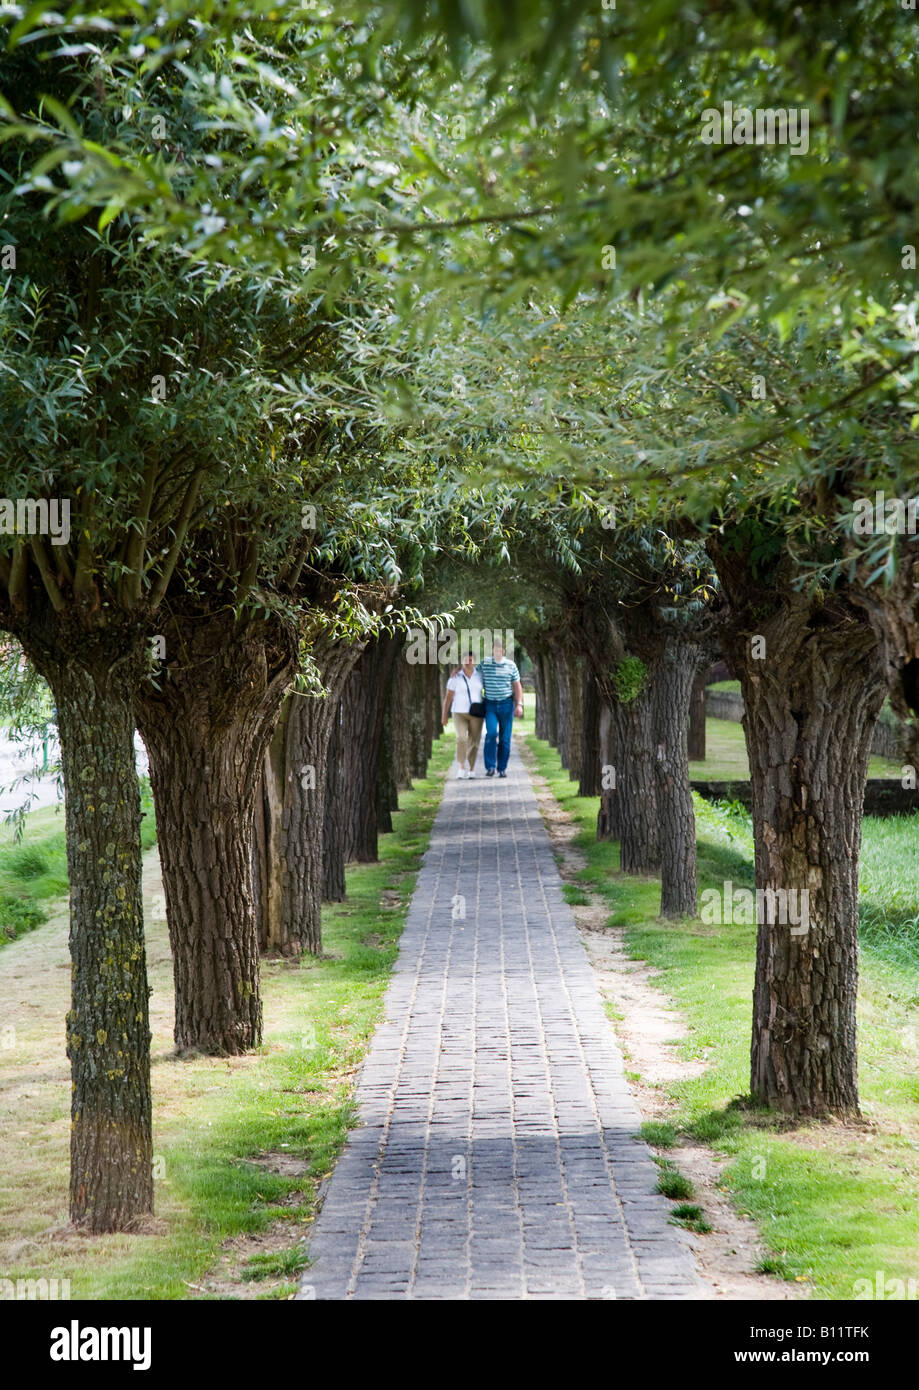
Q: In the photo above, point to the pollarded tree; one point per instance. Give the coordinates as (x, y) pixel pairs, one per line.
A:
(206, 714)
(638, 611)
(764, 442)
(811, 674)
(117, 352)
(805, 255)
(807, 622)
(251, 603)
(135, 405)
(802, 621)
(291, 813)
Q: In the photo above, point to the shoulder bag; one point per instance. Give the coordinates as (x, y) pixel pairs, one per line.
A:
(477, 709)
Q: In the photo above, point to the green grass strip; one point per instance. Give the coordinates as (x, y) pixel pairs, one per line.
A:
(834, 1203)
(216, 1122)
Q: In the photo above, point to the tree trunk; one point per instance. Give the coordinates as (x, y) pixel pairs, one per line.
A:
(206, 730)
(551, 699)
(628, 811)
(387, 793)
(540, 720)
(361, 733)
(563, 704)
(416, 720)
(293, 796)
(672, 690)
(433, 704)
(401, 698)
(268, 832)
(387, 777)
(639, 840)
(609, 822)
(108, 1031)
(94, 673)
(697, 718)
(810, 705)
(333, 830)
(590, 760)
(573, 667)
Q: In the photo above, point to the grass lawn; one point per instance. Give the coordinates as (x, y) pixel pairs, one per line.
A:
(726, 755)
(241, 1143)
(834, 1203)
(33, 870)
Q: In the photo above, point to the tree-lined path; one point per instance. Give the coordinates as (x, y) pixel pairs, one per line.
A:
(497, 1154)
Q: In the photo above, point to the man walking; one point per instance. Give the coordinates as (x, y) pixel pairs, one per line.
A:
(503, 699)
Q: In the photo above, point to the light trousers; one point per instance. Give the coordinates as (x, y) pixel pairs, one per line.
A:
(468, 731)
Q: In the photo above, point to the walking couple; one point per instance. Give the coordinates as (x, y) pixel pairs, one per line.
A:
(489, 692)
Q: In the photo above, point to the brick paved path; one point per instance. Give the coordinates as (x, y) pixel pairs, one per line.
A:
(496, 1156)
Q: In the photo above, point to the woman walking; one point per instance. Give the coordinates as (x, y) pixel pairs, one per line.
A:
(503, 700)
(464, 695)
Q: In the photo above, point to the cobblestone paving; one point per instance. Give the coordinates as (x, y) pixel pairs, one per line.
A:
(496, 1156)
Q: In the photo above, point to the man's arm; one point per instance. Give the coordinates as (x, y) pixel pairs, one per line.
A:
(448, 701)
(518, 696)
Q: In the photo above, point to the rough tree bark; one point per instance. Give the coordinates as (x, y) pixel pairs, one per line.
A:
(387, 792)
(609, 824)
(639, 826)
(361, 733)
(574, 675)
(433, 703)
(415, 718)
(540, 721)
(93, 676)
(559, 669)
(206, 730)
(812, 680)
(551, 685)
(387, 770)
(893, 611)
(333, 830)
(108, 1031)
(696, 736)
(292, 808)
(673, 686)
(590, 760)
(401, 698)
(628, 811)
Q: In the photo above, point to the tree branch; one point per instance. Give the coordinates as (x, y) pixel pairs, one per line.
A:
(132, 582)
(249, 571)
(191, 496)
(19, 575)
(47, 573)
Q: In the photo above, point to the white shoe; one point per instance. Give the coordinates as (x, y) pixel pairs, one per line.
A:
(471, 773)
(461, 775)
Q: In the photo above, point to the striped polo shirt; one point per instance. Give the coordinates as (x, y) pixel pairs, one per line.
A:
(498, 677)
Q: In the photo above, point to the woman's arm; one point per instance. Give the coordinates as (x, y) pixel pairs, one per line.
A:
(448, 701)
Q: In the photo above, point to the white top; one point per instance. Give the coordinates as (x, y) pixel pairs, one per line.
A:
(457, 684)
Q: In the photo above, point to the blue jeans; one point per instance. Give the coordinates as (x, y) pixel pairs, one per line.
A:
(499, 722)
